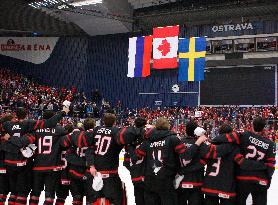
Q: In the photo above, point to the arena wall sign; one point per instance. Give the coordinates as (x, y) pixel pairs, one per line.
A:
(31, 49)
(232, 27)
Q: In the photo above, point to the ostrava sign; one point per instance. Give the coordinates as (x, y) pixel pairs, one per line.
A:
(232, 27)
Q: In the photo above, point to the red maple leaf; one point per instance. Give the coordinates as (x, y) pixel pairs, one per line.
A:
(165, 47)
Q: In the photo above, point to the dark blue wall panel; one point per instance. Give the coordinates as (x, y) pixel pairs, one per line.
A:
(101, 63)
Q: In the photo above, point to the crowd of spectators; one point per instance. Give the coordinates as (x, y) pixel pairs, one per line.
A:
(18, 91)
(240, 118)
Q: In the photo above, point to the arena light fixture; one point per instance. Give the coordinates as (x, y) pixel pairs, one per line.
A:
(86, 2)
(45, 3)
(62, 3)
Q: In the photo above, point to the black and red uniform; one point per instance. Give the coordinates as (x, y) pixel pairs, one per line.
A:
(46, 163)
(132, 137)
(219, 182)
(105, 157)
(4, 185)
(189, 191)
(256, 147)
(163, 152)
(78, 142)
(18, 167)
(63, 186)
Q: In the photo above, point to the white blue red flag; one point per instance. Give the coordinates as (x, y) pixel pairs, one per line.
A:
(139, 56)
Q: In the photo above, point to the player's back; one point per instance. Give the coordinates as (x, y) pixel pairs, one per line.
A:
(137, 168)
(13, 156)
(49, 150)
(220, 176)
(256, 147)
(194, 171)
(18, 128)
(77, 142)
(162, 159)
(107, 149)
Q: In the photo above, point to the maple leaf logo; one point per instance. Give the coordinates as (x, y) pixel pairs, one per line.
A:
(165, 47)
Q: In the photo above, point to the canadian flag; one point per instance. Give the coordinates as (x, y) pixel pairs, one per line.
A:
(165, 47)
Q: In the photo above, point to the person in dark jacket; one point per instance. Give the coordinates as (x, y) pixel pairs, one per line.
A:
(189, 192)
(164, 153)
(46, 162)
(4, 183)
(19, 168)
(132, 137)
(78, 142)
(219, 183)
(257, 148)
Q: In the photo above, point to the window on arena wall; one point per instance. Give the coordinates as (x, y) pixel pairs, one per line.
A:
(209, 47)
(223, 46)
(266, 44)
(244, 45)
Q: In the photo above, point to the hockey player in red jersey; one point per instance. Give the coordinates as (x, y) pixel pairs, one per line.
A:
(4, 185)
(46, 161)
(189, 191)
(104, 159)
(163, 152)
(78, 142)
(258, 148)
(63, 186)
(19, 167)
(132, 137)
(219, 183)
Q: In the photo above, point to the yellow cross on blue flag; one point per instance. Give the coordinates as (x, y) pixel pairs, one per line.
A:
(192, 53)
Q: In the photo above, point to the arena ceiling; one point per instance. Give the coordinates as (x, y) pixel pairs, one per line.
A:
(65, 17)
(146, 19)
(101, 17)
(136, 4)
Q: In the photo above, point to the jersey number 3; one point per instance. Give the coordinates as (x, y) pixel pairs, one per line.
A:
(217, 168)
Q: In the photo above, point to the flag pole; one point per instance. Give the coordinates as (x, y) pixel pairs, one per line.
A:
(199, 95)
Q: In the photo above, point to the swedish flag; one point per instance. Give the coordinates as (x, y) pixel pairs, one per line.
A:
(192, 53)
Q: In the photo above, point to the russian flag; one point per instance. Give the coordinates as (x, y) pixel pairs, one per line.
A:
(139, 56)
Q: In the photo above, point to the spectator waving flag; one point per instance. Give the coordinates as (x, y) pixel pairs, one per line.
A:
(165, 47)
(192, 53)
(139, 56)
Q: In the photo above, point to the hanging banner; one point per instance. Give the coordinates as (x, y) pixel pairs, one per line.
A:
(31, 49)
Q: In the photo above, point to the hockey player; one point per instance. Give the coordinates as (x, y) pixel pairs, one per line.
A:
(104, 159)
(19, 167)
(189, 191)
(78, 142)
(163, 152)
(255, 147)
(219, 183)
(63, 186)
(4, 185)
(133, 137)
(46, 163)
(63, 183)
